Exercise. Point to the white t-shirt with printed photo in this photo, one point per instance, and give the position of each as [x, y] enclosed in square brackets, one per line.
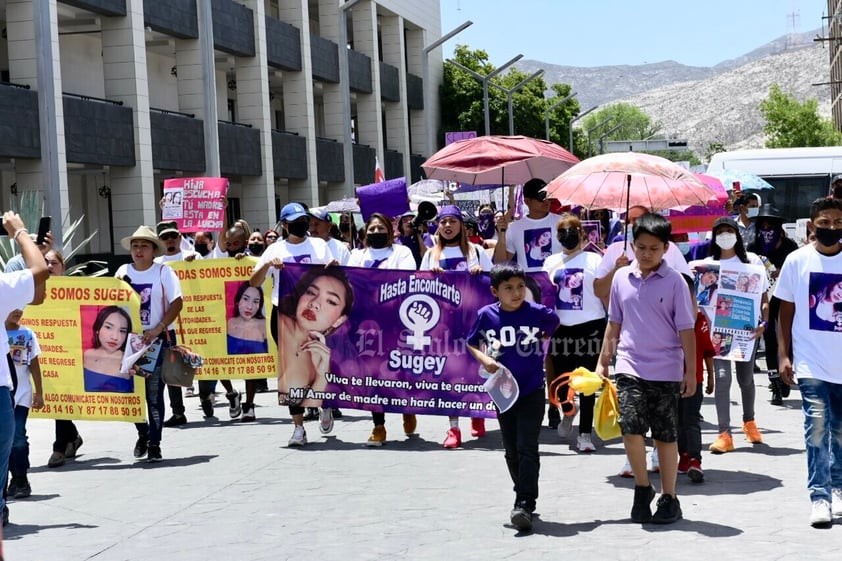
[532, 241]
[451, 259]
[311, 250]
[575, 301]
[673, 257]
[23, 345]
[813, 282]
[753, 259]
[152, 285]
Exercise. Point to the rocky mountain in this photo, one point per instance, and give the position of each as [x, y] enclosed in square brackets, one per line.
[706, 105]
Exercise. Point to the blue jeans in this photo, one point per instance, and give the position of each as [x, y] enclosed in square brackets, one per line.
[19, 458]
[7, 433]
[520, 427]
[822, 405]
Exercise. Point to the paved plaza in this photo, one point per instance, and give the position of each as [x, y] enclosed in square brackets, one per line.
[228, 490]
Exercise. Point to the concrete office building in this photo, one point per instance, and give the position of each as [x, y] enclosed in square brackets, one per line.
[102, 100]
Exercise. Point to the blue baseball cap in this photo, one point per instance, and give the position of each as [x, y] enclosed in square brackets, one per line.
[321, 213]
[292, 212]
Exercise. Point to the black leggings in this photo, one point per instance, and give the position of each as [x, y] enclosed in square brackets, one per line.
[770, 335]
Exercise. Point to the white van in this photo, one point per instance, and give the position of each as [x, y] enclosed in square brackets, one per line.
[799, 175]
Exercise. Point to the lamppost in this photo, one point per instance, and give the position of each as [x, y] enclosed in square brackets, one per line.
[428, 111]
[510, 93]
[590, 130]
[550, 110]
[485, 80]
[609, 131]
[573, 120]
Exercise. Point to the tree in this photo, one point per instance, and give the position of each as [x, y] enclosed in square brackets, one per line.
[462, 102]
[632, 123]
[791, 123]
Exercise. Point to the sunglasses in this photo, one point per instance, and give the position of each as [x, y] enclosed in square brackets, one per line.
[168, 236]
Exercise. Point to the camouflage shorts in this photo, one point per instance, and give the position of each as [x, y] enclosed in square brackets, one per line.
[648, 405]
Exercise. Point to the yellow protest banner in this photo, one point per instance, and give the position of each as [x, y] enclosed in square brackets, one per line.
[82, 328]
[225, 320]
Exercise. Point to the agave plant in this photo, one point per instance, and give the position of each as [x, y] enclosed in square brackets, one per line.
[31, 209]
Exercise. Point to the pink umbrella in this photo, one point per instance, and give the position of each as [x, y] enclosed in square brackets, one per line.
[700, 218]
[620, 180]
[715, 184]
[498, 160]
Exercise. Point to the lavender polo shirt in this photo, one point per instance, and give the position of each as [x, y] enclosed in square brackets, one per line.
[651, 312]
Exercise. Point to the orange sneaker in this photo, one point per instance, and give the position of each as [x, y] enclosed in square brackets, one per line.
[752, 434]
[477, 427]
[725, 443]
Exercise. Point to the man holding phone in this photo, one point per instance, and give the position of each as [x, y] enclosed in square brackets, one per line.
[44, 243]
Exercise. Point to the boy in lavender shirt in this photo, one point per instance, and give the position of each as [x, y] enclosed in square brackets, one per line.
[651, 324]
[514, 327]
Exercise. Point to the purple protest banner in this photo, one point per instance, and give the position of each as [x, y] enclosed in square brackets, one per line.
[195, 203]
[383, 340]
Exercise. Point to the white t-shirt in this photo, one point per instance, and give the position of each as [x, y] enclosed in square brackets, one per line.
[673, 257]
[394, 257]
[452, 259]
[532, 241]
[24, 347]
[176, 257]
[148, 284]
[813, 282]
[753, 259]
[17, 290]
[311, 250]
[339, 250]
[575, 301]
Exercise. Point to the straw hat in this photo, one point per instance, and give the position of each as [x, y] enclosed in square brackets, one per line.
[144, 233]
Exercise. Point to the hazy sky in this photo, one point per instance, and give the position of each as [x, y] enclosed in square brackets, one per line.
[606, 32]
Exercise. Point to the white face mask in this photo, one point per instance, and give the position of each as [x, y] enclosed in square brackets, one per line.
[726, 240]
[752, 211]
[683, 247]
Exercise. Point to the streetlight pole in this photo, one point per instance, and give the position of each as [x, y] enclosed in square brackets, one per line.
[485, 80]
[609, 131]
[550, 110]
[573, 120]
[590, 130]
[428, 97]
[510, 94]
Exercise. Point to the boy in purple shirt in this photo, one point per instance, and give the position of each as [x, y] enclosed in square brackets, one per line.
[651, 325]
[514, 327]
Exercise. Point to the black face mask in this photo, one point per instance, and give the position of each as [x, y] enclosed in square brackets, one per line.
[299, 229]
[828, 237]
[201, 249]
[256, 248]
[234, 252]
[568, 239]
[377, 240]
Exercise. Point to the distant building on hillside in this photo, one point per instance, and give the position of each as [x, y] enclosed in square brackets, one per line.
[834, 26]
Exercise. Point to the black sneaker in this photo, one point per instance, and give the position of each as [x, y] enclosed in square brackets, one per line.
[784, 388]
[154, 454]
[13, 487]
[337, 414]
[312, 414]
[23, 490]
[641, 511]
[207, 408]
[669, 511]
[141, 446]
[176, 421]
[521, 519]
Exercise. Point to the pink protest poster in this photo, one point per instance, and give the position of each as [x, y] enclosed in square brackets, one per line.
[195, 203]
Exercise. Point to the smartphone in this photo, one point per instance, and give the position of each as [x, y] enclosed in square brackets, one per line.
[43, 228]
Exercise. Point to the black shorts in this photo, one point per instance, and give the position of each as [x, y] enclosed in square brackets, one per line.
[648, 405]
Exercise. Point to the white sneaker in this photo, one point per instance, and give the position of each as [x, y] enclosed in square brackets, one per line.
[235, 408]
[584, 444]
[655, 465]
[627, 470]
[820, 514]
[325, 420]
[836, 503]
[299, 436]
[248, 413]
[565, 427]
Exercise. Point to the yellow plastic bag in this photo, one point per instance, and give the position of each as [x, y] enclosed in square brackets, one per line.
[607, 412]
[585, 382]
